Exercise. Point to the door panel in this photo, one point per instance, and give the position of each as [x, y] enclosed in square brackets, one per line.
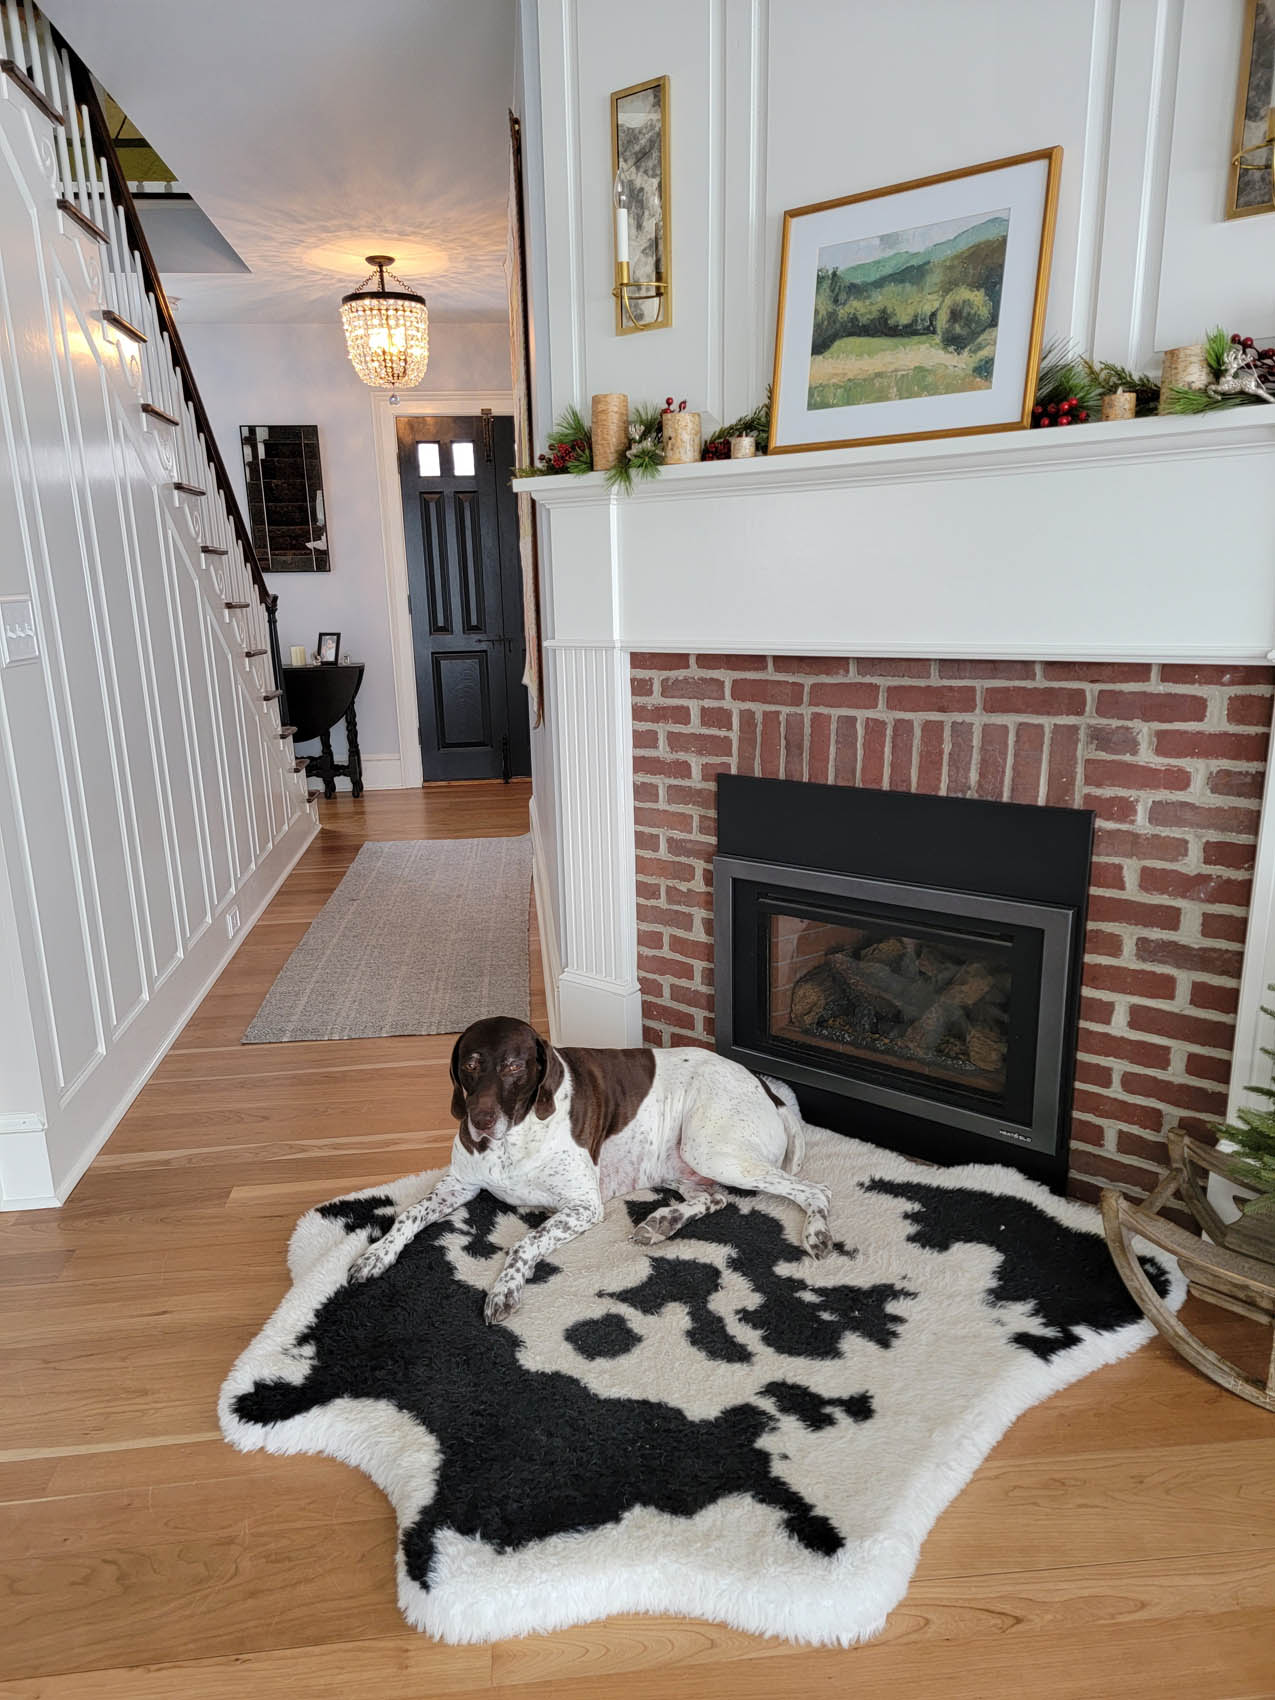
[464, 581]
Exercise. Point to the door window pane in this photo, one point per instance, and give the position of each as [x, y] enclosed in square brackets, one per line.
[427, 460]
[463, 460]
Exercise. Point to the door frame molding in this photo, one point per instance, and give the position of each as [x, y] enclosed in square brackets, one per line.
[411, 404]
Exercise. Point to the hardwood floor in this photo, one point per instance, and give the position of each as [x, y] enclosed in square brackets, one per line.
[1118, 1545]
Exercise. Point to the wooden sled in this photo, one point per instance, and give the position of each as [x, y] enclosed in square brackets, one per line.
[1222, 1270]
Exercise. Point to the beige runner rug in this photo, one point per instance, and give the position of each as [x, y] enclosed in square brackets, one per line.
[419, 937]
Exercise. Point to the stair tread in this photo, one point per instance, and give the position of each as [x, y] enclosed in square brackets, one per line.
[153, 412]
[251, 654]
[82, 219]
[210, 548]
[286, 731]
[238, 604]
[271, 696]
[111, 317]
[12, 69]
[188, 490]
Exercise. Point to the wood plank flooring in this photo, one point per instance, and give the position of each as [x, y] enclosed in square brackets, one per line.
[1118, 1545]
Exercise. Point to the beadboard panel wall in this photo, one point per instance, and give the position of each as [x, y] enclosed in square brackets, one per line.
[148, 807]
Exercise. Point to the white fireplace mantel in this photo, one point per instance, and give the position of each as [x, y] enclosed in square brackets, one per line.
[1146, 540]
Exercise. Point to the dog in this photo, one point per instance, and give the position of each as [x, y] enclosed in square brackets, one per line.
[567, 1130]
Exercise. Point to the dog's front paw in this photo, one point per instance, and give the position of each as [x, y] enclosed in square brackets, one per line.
[502, 1301]
[373, 1262]
[816, 1237]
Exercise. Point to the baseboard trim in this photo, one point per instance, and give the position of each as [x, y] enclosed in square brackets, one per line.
[381, 773]
[546, 925]
[252, 899]
[593, 1011]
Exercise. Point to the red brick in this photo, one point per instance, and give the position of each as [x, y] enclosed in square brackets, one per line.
[662, 713]
[1198, 888]
[660, 767]
[1126, 912]
[692, 847]
[1118, 1110]
[692, 796]
[1125, 1176]
[667, 1016]
[1219, 854]
[1195, 1030]
[1178, 1094]
[987, 669]
[1233, 928]
[1112, 740]
[813, 666]
[1100, 672]
[1109, 876]
[1064, 762]
[1225, 999]
[1052, 701]
[901, 743]
[715, 719]
[1136, 776]
[648, 891]
[993, 761]
[1217, 1069]
[1029, 755]
[1131, 1144]
[748, 752]
[1092, 1073]
[673, 920]
[640, 687]
[1160, 706]
[785, 691]
[1139, 846]
[675, 819]
[872, 766]
[1249, 710]
[768, 753]
[1097, 1010]
[693, 687]
[665, 967]
[1203, 819]
[1204, 746]
[650, 938]
[1111, 806]
[960, 759]
[699, 743]
[1098, 1042]
[653, 1036]
[794, 746]
[1088, 1133]
[702, 951]
[1174, 673]
[733, 663]
[1131, 982]
[661, 868]
[646, 791]
[1099, 943]
[931, 699]
[851, 693]
[690, 998]
[1205, 959]
[902, 669]
[847, 763]
[658, 663]
[1236, 782]
[929, 765]
[646, 738]
[820, 750]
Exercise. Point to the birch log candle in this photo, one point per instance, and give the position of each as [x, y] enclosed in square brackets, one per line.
[682, 441]
[1121, 404]
[743, 447]
[610, 419]
[1184, 369]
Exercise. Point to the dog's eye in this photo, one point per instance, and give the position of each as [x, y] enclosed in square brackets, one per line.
[511, 1066]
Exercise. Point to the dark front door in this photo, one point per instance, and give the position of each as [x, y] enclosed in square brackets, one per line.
[465, 586]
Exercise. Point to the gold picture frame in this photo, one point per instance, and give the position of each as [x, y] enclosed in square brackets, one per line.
[1252, 153]
[990, 276]
[639, 306]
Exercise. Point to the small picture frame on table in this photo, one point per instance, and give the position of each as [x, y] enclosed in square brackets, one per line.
[329, 650]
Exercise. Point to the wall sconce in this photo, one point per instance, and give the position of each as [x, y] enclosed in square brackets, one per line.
[640, 198]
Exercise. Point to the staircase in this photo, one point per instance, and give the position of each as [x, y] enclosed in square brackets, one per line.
[150, 798]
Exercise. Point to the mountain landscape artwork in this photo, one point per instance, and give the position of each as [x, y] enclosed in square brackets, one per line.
[909, 313]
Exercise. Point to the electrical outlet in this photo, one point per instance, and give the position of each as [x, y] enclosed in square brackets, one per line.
[232, 920]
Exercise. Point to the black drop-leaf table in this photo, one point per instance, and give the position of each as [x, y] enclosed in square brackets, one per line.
[317, 698]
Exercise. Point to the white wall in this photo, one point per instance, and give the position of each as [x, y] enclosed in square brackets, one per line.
[300, 374]
[779, 103]
[148, 807]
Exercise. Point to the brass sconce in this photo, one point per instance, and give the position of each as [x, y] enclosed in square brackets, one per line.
[640, 201]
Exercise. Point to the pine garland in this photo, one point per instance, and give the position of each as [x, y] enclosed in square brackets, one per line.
[645, 454]
[1252, 1163]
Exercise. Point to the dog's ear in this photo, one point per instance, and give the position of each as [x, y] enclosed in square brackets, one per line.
[549, 1073]
[458, 1097]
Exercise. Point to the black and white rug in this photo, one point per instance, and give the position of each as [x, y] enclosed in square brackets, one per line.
[716, 1426]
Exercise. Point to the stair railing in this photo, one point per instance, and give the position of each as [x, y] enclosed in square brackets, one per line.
[94, 195]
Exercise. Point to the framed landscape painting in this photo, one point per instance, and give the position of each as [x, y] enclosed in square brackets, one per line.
[917, 310]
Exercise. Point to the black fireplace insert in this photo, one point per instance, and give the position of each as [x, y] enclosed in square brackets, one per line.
[909, 964]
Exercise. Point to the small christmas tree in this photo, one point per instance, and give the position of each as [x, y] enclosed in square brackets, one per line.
[1253, 1160]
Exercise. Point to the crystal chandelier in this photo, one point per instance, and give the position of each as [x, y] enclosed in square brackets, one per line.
[386, 330]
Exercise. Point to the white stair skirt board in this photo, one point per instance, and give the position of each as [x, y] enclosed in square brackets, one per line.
[716, 1425]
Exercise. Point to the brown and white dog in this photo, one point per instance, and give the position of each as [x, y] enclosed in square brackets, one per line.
[566, 1130]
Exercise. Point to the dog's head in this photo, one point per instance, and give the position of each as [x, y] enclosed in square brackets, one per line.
[500, 1068]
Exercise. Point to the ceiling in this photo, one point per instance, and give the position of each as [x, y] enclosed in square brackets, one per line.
[314, 132]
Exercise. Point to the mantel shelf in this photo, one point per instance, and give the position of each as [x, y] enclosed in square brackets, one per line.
[1243, 430]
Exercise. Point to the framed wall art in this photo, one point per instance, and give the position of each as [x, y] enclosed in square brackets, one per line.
[916, 310]
[1251, 188]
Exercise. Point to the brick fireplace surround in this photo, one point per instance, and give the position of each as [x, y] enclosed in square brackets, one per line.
[1171, 758]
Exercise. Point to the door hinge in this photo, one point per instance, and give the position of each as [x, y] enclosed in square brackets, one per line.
[488, 424]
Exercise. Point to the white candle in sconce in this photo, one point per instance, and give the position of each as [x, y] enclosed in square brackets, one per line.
[621, 223]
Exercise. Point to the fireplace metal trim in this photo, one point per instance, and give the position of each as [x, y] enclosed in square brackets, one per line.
[1055, 923]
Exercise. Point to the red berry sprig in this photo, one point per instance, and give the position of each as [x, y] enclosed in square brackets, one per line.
[1067, 412]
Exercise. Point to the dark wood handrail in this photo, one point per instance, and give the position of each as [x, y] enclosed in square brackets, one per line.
[86, 94]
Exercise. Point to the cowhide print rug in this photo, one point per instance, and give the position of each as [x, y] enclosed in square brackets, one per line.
[716, 1426]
